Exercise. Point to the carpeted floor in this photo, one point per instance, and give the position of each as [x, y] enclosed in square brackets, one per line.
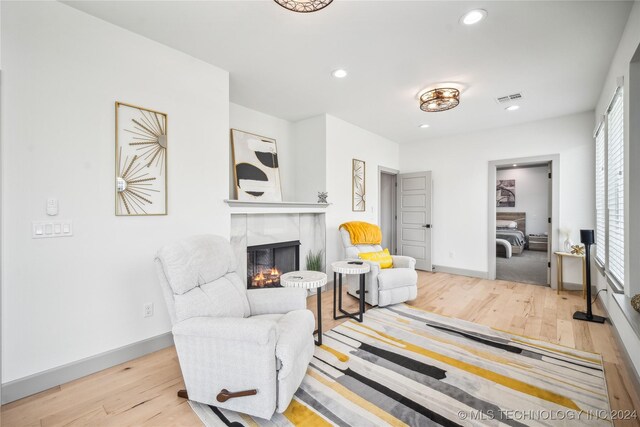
[528, 267]
[407, 367]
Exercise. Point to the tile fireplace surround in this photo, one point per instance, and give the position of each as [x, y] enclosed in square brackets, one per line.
[251, 229]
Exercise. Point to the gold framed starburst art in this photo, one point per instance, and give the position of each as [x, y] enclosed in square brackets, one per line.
[358, 187]
[141, 161]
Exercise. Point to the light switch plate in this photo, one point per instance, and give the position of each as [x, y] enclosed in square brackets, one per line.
[49, 229]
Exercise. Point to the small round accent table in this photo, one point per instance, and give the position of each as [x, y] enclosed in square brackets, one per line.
[341, 268]
[308, 280]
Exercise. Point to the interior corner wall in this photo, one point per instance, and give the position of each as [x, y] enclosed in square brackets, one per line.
[346, 142]
[460, 173]
[252, 121]
[532, 196]
[65, 299]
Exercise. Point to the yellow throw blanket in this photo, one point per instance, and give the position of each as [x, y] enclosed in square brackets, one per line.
[363, 233]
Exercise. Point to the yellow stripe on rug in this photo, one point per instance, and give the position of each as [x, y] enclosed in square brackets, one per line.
[300, 415]
[511, 383]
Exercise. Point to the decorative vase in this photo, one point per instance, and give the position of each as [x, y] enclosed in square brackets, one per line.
[322, 196]
[567, 245]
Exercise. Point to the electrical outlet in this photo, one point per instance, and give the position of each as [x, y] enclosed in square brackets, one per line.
[148, 309]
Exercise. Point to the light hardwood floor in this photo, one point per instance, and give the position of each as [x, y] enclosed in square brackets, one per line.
[143, 392]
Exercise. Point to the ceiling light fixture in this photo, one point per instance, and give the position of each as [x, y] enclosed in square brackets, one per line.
[424, 126]
[473, 16]
[440, 99]
[304, 6]
[339, 74]
[515, 166]
[512, 108]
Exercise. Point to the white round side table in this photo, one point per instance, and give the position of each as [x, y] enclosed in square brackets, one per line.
[308, 280]
[341, 268]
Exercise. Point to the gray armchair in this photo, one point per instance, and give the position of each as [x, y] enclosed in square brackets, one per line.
[246, 351]
[383, 286]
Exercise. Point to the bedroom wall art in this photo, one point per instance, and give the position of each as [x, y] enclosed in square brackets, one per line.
[255, 167]
[358, 186]
[141, 161]
[506, 193]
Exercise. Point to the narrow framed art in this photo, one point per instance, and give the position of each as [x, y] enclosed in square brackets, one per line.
[358, 186]
[141, 161]
[256, 171]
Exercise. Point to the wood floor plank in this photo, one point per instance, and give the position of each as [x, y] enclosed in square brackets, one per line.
[142, 392]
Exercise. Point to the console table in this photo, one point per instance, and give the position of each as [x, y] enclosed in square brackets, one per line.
[560, 257]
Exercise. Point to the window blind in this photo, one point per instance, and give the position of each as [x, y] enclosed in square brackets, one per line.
[615, 187]
[600, 197]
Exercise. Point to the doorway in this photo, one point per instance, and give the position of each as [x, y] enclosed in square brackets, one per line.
[388, 179]
[523, 211]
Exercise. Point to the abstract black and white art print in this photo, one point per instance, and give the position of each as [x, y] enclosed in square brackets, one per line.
[256, 173]
[506, 193]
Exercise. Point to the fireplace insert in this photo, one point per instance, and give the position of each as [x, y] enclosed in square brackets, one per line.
[266, 263]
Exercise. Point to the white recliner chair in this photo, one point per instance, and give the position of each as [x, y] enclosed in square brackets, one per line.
[383, 286]
[246, 351]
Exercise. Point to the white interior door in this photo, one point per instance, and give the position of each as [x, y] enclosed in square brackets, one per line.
[414, 218]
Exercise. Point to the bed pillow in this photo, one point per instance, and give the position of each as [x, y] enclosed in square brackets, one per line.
[501, 223]
[382, 257]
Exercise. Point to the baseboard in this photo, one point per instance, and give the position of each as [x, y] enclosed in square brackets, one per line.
[41, 381]
[460, 271]
[635, 375]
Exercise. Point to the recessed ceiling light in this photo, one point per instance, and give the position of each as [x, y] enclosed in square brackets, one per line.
[473, 16]
[424, 126]
[512, 108]
[339, 73]
[515, 166]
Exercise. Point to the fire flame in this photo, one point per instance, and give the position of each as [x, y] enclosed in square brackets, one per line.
[267, 278]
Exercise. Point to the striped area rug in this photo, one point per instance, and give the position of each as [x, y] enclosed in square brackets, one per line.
[404, 366]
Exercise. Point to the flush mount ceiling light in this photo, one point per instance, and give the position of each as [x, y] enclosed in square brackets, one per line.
[473, 16]
[440, 99]
[339, 73]
[424, 126]
[304, 6]
[512, 108]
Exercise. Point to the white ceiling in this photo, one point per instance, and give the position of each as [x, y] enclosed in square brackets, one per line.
[556, 53]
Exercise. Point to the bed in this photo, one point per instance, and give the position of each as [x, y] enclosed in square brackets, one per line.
[514, 236]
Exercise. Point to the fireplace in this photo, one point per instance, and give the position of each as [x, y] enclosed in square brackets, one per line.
[266, 263]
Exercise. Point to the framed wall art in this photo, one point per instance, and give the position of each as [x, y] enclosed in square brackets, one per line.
[141, 161]
[255, 167]
[358, 186]
[506, 193]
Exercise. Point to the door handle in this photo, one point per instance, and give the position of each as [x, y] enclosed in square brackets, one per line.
[427, 226]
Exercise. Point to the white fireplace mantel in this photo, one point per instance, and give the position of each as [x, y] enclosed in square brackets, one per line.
[250, 207]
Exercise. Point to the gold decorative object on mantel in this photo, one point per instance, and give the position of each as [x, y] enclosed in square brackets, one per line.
[577, 249]
[141, 161]
[635, 302]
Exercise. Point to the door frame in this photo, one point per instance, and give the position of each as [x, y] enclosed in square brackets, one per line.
[554, 160]
[383, 170]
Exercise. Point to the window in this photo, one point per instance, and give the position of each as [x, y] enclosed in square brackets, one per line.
[615, 187]
[610, 190]
[600, 196]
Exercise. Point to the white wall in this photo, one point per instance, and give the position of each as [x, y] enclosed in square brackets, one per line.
[281, 130]
[532, 196]
[310, 152]
[620, 67]
[344, 143]
[69, 298]
[460, 174]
